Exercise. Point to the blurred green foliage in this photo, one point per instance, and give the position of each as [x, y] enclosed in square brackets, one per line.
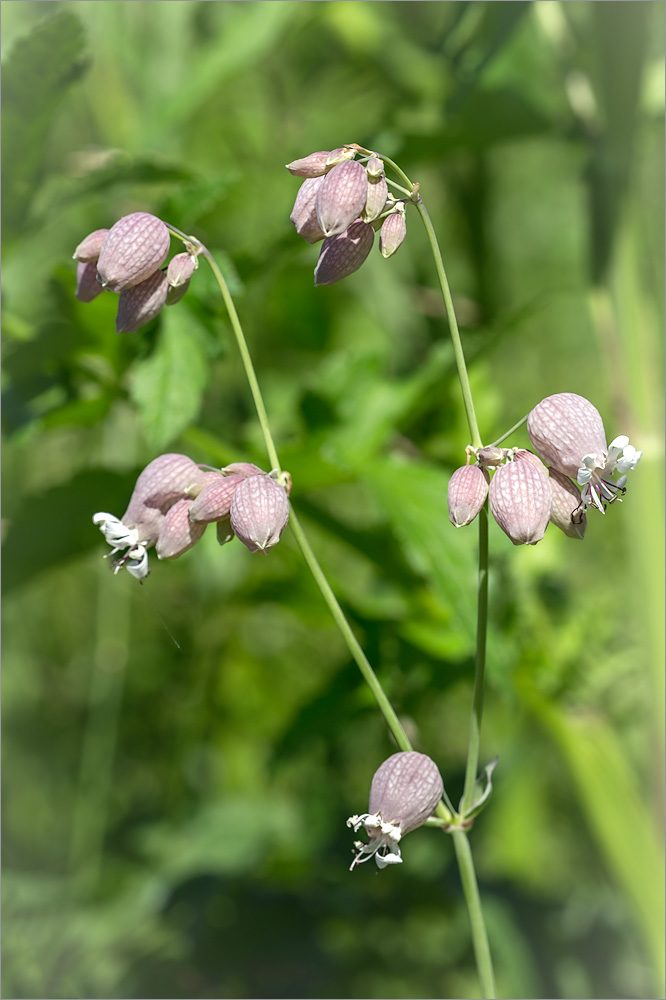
[180, 757]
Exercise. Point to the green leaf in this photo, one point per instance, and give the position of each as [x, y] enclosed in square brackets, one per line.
[168, 386]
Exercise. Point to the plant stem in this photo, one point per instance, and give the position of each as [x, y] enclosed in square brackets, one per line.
[472, 766]
[453, 325]
[350, 639]
[479, 935]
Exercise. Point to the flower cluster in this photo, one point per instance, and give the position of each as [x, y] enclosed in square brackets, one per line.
[404, 793]
[127, 259]
[174, 500]
[343, 201]
[525, 494]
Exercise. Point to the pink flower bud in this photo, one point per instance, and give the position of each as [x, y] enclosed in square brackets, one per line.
[89, 249]
[341, 255]
[341, 197]
[568, 512]
[521, 502]
[565, 428]
[339, 155]
[467, 492]
[376, 199]
[259, 512]
[490, 457]
[214, 501]
[133, 249]
[313, 165]
[392, 234]
[87, 285]
[374, 168]
[243, 469]
[180, 269]
[303, 215]
[177, 533]
[140, 304]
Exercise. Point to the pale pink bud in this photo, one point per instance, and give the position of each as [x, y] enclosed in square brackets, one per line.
[339, 155]
[259, 512]
[89, 249]
[244, 469]
[376, 199]
[181, 268]
[303, 215]
[392, 234]
[214, 502]
[405, 790]
[177, 533]
[564, 429]
[314, 165]
[133, 249]
[467, 492]
[490, 457]
[140, 304]
[341, 197]
[521, 502]
[341, 255]
[374, 168]
[87, 285]
[568, 512]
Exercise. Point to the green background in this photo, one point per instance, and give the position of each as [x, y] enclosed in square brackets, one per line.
[180, 757]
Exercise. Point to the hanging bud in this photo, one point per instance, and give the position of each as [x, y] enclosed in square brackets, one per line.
[259, 512]
[303, 215]
[466, 495]
[341, 255]
[214, 501]
[133, 249]
[568, 512]
[341, 197]
[89, 249]
[314, 165]
[87, 285]
[177, 533]
[490, 457]
[140, 304]
[521, 502]
[243, 469]
[181, 268]
[374, 168]
[339, 155]
[564, 428]
[377, 190]
[392, 234]
[404, 793]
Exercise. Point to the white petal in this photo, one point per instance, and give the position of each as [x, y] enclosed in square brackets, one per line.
[619, 442]
[115, 532]
[137, 564]
[584, 476]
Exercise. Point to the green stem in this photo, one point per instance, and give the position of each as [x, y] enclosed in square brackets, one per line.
[472, 767]
[479, 935]
[453, 325]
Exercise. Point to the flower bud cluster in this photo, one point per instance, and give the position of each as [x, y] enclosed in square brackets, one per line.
[343, 203]
[525, 495]
[404, 793]
[174, 500]
[127, 259]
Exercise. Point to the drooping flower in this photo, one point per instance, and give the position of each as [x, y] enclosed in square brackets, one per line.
[341, 255]
[341, 197]
[133, 249]
[405, 791]
[259, 512]
[466, 494]
[568, 432]
[521, 501]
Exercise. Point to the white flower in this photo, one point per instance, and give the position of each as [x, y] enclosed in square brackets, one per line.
[135, 557]
[594, 477]
[383, 843]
